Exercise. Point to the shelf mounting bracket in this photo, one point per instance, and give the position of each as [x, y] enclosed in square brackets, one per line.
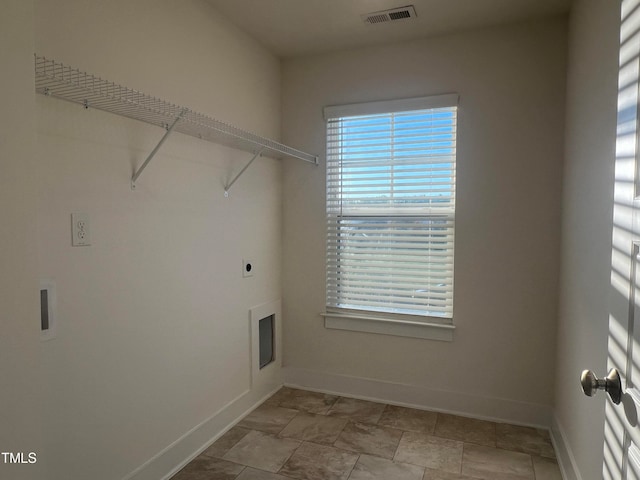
[229, 185]
[155, 150]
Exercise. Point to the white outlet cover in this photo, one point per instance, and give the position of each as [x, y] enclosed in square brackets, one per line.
[248, 268]
[80, 230]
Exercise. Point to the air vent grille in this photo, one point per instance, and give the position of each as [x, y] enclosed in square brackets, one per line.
[399, 15]
[377, 18]
[394, 14]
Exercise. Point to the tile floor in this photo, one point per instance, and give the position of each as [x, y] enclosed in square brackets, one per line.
[303, 435]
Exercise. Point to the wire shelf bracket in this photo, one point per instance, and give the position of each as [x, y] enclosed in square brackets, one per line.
[155, 150]
[64, 82]
[230, 184]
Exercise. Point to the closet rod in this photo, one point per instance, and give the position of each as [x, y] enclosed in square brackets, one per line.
[55, 79]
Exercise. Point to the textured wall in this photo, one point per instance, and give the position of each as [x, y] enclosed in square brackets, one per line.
[586, 226]
[153, 335]
[19, 354]
[511, 82]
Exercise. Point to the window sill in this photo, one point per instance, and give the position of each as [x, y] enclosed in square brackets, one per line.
[400, 328]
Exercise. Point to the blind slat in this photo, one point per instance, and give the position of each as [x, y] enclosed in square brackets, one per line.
[390, 211]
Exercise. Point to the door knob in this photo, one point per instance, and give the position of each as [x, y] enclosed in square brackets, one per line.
[610, 384]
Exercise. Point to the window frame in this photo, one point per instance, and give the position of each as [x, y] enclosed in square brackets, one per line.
[391, 323]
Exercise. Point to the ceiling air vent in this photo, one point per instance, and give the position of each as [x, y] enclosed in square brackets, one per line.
[384, 16]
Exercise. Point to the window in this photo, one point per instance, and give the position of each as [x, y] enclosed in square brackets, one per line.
[391, 169]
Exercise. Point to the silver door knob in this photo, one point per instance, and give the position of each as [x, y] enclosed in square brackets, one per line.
[610, 384]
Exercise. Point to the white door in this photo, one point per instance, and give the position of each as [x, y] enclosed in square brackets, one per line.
[622, 435]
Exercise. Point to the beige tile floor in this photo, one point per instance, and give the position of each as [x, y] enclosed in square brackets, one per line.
[304, 435]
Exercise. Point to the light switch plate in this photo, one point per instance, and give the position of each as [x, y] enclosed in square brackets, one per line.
[80, 231]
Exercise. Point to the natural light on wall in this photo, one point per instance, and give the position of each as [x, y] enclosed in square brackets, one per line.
[391, 170]
[621, 451]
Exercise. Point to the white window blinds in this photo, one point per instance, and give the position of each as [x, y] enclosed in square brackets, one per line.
[391, 207]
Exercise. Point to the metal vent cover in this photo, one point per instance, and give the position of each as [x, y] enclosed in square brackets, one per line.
[392, 15]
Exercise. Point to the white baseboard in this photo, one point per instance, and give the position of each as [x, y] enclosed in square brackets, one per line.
[566, 460]
[262, 384]
[175, 456]
[469, 405]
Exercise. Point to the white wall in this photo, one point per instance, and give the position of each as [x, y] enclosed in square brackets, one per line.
[153, 335]
[19, 314]
[511, 82]
[586, 231]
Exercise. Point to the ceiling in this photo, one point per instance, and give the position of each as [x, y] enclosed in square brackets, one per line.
[299, 27]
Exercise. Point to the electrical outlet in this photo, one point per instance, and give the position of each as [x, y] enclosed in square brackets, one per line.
[80, 232]
[247, 268]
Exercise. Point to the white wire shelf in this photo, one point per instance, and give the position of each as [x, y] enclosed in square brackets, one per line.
[67, 83]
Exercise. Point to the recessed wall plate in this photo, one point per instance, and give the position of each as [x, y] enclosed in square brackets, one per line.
[48, 309]
[247, 268]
